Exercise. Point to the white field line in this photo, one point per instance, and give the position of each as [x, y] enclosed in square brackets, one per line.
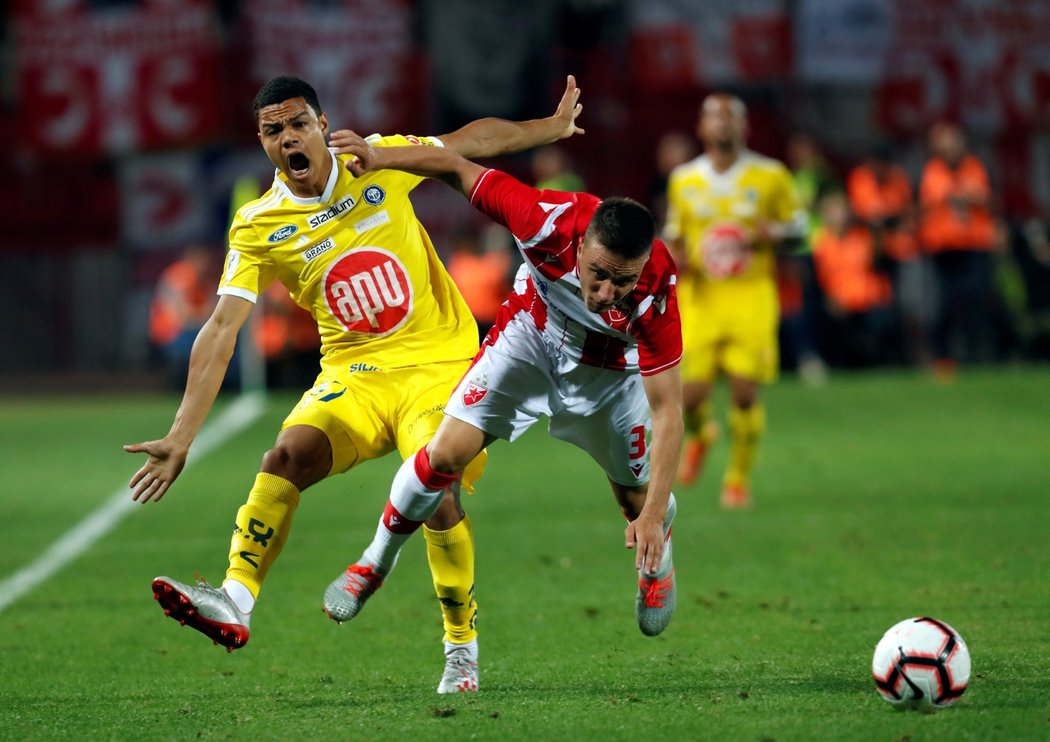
[241, 413]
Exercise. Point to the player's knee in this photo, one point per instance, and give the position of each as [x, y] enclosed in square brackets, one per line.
[300, 465]
[446, 460]
[448, 514]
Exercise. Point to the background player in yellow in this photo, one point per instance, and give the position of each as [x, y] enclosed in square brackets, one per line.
[727, 211]
[396, 338]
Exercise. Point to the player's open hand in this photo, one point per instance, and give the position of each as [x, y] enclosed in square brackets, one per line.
[363, 156]
[569, 108]
[159, 472]
[645, 534]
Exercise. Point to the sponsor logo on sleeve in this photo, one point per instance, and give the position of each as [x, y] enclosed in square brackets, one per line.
[280, 235]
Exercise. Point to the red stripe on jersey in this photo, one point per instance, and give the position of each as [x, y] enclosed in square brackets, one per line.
[604, 351]
[548, 224]
[659, 329]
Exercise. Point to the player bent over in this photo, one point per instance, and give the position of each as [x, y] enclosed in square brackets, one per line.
[396, 338]
[590, 337]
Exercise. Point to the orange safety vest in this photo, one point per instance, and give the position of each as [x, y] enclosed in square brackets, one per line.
[952, 226]
[873, 200]
[482, 280]
[845, 269]
[166, 319]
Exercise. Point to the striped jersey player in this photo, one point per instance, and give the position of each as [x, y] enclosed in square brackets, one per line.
[590, 338]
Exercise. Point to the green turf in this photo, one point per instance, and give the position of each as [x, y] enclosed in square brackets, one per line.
[877, 498]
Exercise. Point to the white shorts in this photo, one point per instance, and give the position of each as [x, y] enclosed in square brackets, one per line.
[520, 377]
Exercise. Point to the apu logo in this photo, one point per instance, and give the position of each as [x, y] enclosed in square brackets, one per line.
[283, 233]
[374, 195]
[726, 250]
[367, 290]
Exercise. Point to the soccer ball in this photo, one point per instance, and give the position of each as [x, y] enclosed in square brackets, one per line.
[921, 663]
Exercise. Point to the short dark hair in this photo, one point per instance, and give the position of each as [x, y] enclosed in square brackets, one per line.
[623, 226]
[282, 88]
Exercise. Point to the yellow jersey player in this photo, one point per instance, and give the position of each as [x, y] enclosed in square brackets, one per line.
[396, 338]
[727, 212]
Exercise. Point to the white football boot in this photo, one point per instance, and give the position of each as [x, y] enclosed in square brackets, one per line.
[346, 596]
[461, 668]
[205, 608]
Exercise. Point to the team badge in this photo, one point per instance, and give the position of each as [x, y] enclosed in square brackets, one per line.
[476, 391]
[283, 233]
[374, 195]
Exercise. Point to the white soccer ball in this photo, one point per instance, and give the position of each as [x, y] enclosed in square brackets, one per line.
[921, 663]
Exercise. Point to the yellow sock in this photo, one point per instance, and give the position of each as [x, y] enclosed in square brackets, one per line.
[746, 428]
[261, 529]
[451, 557]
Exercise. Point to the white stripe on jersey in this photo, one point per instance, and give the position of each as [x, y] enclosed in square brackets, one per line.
[234, 291]
[251, 211]
[553, 212]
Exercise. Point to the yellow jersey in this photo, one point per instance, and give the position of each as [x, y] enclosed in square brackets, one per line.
[716, 215]
[360, 262]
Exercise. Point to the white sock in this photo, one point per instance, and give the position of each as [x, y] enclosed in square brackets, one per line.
[472, 645]
[414, 501]
[666, 562]
[240, 595]
[384, 550]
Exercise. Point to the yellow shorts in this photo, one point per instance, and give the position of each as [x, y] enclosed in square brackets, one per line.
[368, 414]
[729, 327]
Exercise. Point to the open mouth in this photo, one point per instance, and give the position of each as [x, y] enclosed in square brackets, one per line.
[299, 164]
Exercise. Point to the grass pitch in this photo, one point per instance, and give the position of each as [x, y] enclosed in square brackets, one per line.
[876, 498]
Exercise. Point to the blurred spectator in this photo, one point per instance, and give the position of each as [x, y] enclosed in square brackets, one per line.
[552, 169]
[880, 195]
[482, 269]
[286, 336]
[672, 149]
[182, 301]
[858, 296]
[1029, 246]
[796, 284]
[957, 230]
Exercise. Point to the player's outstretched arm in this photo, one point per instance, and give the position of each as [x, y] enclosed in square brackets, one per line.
[430, 162]
[645, 534]
[209, 360]
[491, 137]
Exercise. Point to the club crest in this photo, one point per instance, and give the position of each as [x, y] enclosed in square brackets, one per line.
[475, 392]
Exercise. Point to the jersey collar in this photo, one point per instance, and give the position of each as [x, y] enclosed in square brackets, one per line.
[325, 196]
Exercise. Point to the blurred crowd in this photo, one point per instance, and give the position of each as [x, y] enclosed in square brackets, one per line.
[912, 270]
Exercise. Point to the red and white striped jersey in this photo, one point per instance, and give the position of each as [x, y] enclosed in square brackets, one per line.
[643, 333]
